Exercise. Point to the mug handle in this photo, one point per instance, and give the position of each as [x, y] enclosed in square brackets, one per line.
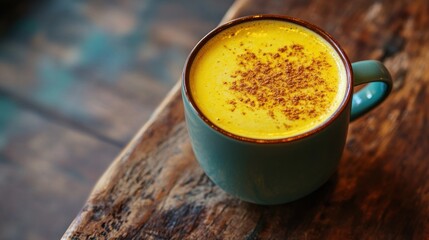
[379, 86]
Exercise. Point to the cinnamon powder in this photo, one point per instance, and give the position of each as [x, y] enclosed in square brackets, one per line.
[285, 81]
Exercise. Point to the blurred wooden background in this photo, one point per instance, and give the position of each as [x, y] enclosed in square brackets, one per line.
[77, 80]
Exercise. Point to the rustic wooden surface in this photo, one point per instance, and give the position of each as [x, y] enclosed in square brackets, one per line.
[77, 81]
[155, 189]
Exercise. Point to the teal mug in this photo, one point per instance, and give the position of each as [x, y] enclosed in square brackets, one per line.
[281, 170]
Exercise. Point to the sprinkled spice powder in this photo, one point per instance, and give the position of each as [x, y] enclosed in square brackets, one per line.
[285, 81]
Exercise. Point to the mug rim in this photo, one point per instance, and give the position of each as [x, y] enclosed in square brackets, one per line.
[346, 63]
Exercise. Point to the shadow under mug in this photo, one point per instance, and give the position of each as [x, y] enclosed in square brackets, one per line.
[281, 170]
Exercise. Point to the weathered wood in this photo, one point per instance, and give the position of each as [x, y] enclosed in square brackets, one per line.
[156, 190]
[96, 67]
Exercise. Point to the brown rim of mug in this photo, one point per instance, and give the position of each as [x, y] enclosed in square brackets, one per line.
[314, 28]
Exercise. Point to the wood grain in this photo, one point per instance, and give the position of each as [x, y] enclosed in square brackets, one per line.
[155, 189]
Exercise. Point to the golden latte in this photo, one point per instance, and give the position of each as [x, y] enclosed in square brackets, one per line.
[267, 79]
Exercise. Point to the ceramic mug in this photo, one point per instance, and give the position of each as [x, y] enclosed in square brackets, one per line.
[282, 170]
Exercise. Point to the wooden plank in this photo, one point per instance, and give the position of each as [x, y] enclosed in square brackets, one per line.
[155, 190]
[102, 66]
[46, 172]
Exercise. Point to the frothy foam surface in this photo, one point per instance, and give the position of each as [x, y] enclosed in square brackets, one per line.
[267, 79]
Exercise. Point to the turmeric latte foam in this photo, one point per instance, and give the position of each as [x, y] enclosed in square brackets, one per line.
[267, 79]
